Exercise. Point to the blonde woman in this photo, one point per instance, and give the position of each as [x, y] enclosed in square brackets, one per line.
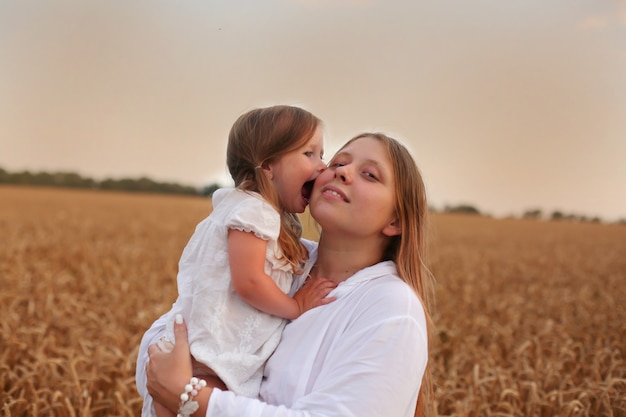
[364, 354]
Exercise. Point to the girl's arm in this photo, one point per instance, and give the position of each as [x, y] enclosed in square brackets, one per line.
[246, 254]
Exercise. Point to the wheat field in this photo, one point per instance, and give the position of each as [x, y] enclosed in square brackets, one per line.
[530, 315]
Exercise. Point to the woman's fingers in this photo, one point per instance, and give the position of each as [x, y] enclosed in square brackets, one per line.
[180, 335]
[179, 327]
[167, 372]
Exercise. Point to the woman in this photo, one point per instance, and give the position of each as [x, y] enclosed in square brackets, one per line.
[365, 354]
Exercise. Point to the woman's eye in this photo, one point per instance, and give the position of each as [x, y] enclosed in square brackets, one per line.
[370, 175]
[308, 154]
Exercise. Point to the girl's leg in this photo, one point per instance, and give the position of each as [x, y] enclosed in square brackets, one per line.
[204, 372]
[214, 382]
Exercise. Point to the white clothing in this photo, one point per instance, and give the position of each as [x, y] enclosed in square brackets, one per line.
[362, 355]
[227, 334]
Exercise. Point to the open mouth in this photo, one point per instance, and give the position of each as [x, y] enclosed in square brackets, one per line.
[307, 188]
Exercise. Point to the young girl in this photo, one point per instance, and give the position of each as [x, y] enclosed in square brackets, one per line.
[238, 266]
[366, 353]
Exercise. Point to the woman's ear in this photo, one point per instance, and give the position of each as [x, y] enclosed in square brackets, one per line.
[392, 228]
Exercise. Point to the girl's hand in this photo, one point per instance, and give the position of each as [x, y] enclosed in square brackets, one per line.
[314, 293]
[169, 371]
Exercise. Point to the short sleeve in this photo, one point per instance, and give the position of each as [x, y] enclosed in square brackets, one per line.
[250, 213]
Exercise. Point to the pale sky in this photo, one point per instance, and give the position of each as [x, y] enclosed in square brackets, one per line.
[506, 105]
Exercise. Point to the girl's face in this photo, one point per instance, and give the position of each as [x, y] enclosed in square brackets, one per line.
[293, 174]
[356, 194]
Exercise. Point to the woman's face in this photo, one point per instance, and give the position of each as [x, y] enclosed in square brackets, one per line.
[355, 195]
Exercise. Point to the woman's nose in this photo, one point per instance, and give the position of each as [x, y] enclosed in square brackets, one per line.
[343, 173]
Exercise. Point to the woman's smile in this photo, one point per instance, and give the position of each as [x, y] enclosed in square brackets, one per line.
[332, 192]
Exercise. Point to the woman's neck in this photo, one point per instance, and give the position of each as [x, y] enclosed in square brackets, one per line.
[340, 259]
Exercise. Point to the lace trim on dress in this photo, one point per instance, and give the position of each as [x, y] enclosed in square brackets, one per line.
[250, 230]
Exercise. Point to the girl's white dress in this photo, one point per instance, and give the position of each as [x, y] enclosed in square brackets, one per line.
[226, 334]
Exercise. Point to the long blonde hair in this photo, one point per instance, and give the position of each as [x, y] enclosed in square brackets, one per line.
[258, 138]
[408, 249]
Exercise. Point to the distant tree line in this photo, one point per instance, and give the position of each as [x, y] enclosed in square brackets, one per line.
[74, 180]
[144, 184]
[462, 208]
[559, 215]
[556, 215]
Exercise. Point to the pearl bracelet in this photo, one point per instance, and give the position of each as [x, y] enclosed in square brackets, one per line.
[187, 405]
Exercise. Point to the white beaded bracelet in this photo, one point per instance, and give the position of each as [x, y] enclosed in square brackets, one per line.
[187, 405]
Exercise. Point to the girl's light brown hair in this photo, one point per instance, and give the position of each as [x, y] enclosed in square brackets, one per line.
[408, 249]
[258, 138]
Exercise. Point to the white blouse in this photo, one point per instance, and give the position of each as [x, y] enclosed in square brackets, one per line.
[362, 355]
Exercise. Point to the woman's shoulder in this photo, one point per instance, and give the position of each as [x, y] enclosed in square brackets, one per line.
[383, 303]
[391, 295]
[393, 287]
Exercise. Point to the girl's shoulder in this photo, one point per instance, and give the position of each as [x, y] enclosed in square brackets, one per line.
[240, 200]
[246, 211]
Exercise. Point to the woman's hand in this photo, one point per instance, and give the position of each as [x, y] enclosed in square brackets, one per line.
[169, 368]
